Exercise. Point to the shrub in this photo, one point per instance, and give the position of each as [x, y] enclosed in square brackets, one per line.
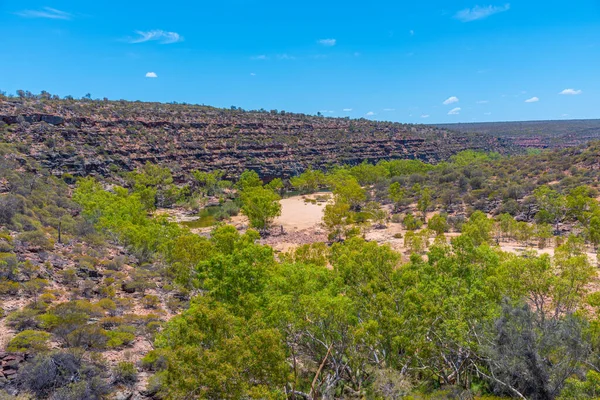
[62, 376]
[29, 340]
[24, 319]
[150, 301]
[107, 304]
[411, 223]
[118, 339]
[438, 224]
[8, 266]
[37, 238]
[47, 298]
[91, 337]
[125, 372]
[9, 287]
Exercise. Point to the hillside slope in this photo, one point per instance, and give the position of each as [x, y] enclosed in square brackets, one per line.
[82, 137]
[535, 134]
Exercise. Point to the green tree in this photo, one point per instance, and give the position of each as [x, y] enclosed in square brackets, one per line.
[438, 223]
[335, 218]
[248, 179]
[213, 354]
[309, 181]
[594, 230]
[424, 202]
[396, 194]
[553, 206]
[376, 213]
[478, 229]
[208, 182]
[261, 206]
[581, 205]
[347, 189]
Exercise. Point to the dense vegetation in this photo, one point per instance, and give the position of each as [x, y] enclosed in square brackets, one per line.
[90, 268]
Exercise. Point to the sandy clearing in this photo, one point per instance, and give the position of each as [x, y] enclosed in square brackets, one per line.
[298, 215]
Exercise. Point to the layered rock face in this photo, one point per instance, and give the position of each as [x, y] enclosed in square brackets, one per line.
[536, 134]
[9, 367]
[93, 137]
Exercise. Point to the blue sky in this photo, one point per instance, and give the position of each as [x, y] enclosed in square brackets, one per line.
[388, 60]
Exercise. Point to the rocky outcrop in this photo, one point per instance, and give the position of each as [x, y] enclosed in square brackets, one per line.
[94, 137]
[9, 367]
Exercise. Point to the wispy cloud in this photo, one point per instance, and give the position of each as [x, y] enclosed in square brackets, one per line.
[327, 42]
[411, 32]
[483, 102]
[163, 37]
[389, 109]
[532, 100]
[425, 116]
[454, 111]
[479, 12]
[571, 92]
[347, 110]
[326, 111]
[285, 57]
[370, 114]
[252, 74]
[151, 75]
[259, 57]
[450, 100]
[46, 12]
[487, 113]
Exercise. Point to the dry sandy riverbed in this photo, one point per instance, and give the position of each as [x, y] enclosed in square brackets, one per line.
[301, 219]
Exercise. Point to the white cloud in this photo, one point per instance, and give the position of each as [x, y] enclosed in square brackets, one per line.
[451, 100]
[487, 113]
[482, 102]
[425, 116]
[326, 111]
[454, 111]
[370, 114]
[347, 110]
[532, 100]
[252, 74]
[46, 12]
[285, 57]
[151, 75]
[571, 92]
[479, 12]
[389, 109]
[260, 57]
[327, 42]
[158, 35]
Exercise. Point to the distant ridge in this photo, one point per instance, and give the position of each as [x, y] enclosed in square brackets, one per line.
[536, 134]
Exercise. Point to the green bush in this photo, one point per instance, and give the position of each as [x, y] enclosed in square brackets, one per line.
[24, 319]
[124, 372]
[29, 340]
[411, 223]
[118, 339]
[37, 238]
[9, 287]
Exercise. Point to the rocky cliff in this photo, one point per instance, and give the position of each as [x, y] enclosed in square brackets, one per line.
[92, 137]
